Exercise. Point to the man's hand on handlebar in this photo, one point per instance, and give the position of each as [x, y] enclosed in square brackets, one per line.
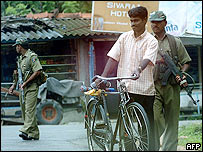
[97, 81]
[136, 74]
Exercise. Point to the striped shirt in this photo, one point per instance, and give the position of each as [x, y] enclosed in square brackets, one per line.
[129, 52]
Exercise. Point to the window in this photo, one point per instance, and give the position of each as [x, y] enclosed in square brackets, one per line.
[8, 62]
[194, 66]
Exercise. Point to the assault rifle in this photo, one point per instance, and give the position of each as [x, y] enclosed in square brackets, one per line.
[20, 80]
[175, 71]
[16, 93]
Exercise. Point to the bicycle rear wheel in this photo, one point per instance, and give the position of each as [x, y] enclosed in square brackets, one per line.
[98, 133]
[134, 129]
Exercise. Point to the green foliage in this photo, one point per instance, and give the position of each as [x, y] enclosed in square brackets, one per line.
[85, 6]
[190, 116]
[3, 8]
[11, 10]
[25, 7]
[190, 134]
[48, 5]
[21, 9]
[70, 7]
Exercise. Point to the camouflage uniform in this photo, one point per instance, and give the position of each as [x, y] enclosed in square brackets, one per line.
[167, 98]
[29, 64]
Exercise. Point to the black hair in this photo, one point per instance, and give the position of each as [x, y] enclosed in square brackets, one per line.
[138, 12]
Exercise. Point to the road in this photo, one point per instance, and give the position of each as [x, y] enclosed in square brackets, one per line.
[68, 137]
[71, 137]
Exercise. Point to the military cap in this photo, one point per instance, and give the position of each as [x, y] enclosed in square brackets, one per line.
[157, 16]
[21, 41]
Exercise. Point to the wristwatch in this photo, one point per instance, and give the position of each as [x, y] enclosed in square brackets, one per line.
[140, 69]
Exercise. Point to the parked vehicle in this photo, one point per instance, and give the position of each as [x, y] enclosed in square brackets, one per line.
[52, 97]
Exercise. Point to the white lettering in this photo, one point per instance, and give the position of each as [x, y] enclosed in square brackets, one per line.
[109, 5]
[125, 13]
[121, 5]
[119, 13]
[133, 6]
[119, 23]
[113, 13]
[127, 5]
[109, 22]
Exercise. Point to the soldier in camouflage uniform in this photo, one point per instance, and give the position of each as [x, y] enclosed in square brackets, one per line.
[167, 98]
[31, 68]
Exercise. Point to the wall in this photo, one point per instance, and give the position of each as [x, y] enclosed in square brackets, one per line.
[83, 60]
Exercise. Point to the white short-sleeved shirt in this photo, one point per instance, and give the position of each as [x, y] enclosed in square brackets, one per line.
[129, 52]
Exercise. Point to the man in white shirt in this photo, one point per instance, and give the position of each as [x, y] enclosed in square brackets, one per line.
[135, 53]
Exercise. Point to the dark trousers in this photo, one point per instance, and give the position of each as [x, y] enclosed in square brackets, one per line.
[147, 103]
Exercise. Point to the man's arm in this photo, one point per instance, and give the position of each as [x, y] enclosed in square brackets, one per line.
[15, 79]
[185, 67]
[144, 64]
[32, 77]
[10, 91]
[110, 65]
[141, 67]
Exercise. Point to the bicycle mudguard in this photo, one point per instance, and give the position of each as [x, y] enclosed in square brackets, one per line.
[86, 115]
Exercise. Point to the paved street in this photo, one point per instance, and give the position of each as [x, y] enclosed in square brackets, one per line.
[71, 137]
[68, 137]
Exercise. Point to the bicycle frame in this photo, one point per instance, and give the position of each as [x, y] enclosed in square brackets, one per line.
[122, 89]
[122, 109]
[100, 101]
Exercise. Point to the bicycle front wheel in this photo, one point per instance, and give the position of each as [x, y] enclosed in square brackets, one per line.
[134, 129]
[99, 130]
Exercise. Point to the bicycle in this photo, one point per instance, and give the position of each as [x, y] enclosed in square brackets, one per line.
[132, 121]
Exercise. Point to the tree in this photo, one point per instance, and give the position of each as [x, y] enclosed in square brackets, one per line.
[71, 7]
[48, 6]
[21, 9]
[3, 8]
[25, 7]
[85, 6]
[11, 10]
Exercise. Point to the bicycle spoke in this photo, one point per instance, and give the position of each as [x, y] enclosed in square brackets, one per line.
[133, 125]
[130, 118]
[97, 140]
[136, 128]
[98, 132]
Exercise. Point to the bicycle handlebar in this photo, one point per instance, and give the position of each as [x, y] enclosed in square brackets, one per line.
[106, 85]
[113, 78]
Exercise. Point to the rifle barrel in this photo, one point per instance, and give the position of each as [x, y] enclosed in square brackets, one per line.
[16, 93]
[171, 65]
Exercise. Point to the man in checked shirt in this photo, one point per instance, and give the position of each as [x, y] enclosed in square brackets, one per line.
[135, 52]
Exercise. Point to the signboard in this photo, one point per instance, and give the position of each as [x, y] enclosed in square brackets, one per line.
[112, 16]
[194, 17]
[182, 16]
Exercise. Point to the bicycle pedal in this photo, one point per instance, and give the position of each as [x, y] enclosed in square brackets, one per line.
[100, 125]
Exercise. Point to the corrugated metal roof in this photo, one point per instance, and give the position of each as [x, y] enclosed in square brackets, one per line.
[44, 29]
